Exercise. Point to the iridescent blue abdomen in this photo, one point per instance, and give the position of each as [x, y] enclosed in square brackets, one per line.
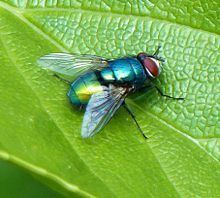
[124, 71]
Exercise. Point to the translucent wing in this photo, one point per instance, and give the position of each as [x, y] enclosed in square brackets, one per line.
[71, 64]
[101, 108]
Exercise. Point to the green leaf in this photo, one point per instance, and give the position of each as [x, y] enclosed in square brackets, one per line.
[16, 183]
[40, 131]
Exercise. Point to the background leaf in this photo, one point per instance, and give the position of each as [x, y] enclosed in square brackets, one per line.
[41, 132]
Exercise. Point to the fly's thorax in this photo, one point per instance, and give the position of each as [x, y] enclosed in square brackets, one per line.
[140, 75]
[107, 75]
[83, 87]
[124, 71]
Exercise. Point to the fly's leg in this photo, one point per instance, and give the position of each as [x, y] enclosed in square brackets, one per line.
[167, 96]
[81, 107]
[62, 79]
[151, 85]
[146, 88]
[133, 117]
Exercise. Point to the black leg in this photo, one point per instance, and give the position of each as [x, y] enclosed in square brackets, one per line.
[146, 88]
[133, 117]
[151, 85]
[62, 79]
[164, 95]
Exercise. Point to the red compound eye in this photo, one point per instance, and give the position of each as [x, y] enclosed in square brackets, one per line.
[152, 66]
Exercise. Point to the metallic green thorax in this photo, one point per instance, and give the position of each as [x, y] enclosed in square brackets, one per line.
[125, 71]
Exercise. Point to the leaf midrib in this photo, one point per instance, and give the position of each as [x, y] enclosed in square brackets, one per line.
[15, 11]
[43, 172]
[43, 107]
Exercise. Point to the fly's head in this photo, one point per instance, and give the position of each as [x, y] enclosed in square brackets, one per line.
[151, 64]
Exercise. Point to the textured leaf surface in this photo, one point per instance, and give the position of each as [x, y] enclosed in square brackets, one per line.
[41, 132]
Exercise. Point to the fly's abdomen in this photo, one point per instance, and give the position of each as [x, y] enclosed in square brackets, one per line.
[83, 87]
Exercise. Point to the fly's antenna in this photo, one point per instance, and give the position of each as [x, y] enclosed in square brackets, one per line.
[159, 58]
[155, 55]
[157, 51]
[162, 60]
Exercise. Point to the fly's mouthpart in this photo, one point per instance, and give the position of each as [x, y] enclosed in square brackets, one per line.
[160, 59]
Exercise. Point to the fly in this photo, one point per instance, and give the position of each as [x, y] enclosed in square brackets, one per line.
[101, 85]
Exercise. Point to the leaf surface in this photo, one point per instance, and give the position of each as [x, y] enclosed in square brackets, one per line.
[40, 131]
[17, 183]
